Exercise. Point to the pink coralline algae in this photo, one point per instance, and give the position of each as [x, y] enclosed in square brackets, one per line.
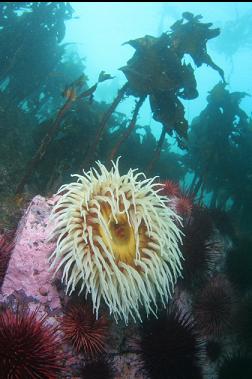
[28, 269]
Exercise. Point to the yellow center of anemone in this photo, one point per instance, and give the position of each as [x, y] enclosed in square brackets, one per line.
[121, 239]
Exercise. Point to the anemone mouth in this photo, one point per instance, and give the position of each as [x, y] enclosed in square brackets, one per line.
[120, 239]
[121, 232]
[117, 238]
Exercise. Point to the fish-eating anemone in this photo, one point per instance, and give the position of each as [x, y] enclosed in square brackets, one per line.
[118, 240]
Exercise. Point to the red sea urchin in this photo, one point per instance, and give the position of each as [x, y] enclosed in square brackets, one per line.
[28, 347]
[170, 189]
[83, 330]
[170, 347]
[183, 206]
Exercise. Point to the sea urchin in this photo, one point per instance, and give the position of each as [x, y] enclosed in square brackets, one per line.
[28, 347]
[183, 206]
[170, 189]
[82, 329]
[118, 239]
[198, 248]
[171, 347]
[214, 307]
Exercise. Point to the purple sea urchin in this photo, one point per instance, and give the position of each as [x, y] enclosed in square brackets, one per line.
[197, 248]
[170, 347]
[213, 307]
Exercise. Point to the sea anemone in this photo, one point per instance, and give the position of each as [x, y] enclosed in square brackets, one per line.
[235, 366]
[83, 330]
[171, 347]
[98, 369]
[213, 307]
[118, 239]
[28, 347]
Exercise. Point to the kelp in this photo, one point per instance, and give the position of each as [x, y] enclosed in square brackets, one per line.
[71, 94]
[157, 70]
[220, 146]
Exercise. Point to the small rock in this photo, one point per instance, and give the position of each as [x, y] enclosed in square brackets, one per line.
[43, 291]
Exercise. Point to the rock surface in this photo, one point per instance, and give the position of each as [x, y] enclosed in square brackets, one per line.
[28, 269]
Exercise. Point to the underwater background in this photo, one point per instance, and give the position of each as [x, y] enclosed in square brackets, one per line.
[167, 88]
